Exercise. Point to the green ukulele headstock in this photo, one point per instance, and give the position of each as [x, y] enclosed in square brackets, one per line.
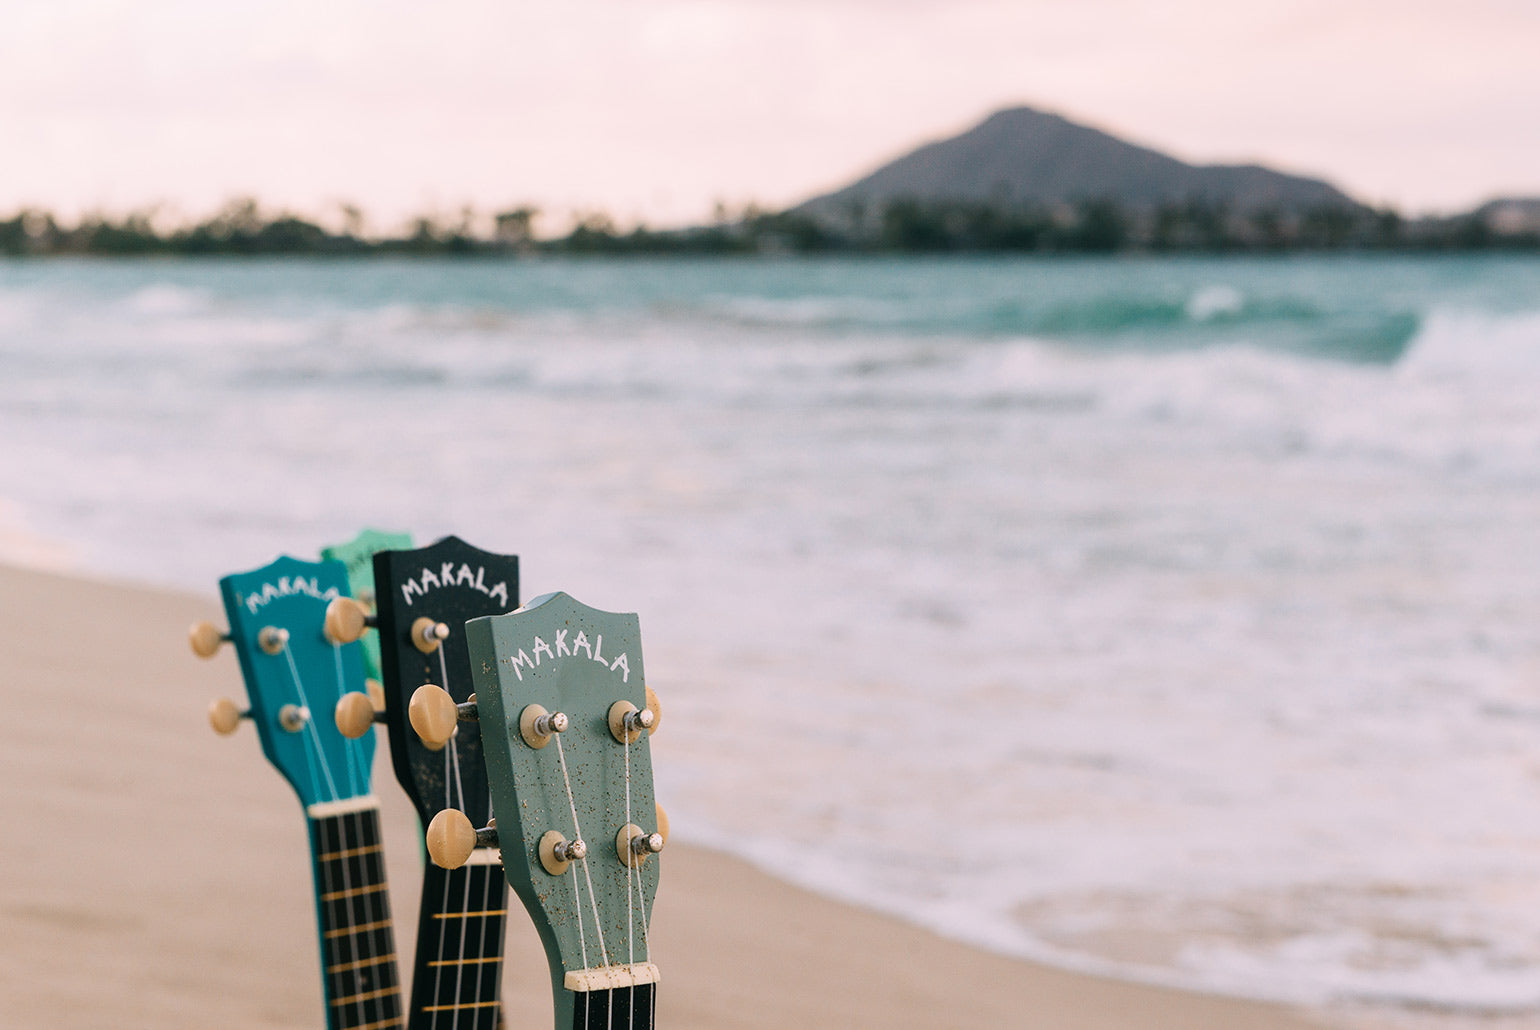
[358, 556]
[294, 676]
[565, 718]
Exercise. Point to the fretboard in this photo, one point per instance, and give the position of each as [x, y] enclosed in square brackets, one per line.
[629, 1007]
[459, 969]
[358, 943]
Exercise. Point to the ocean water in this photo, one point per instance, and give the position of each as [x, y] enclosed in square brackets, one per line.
[1173, 619]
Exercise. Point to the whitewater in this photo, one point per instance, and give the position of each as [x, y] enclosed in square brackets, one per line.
[1173, 619]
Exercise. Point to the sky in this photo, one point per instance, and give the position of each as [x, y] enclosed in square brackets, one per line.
[656, 110]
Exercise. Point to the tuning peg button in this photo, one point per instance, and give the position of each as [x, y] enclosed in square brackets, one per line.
[355, 713]
[435, 716]
[451, 838]
[627, 722]
[225, 716]
[346, 620]
[204, 639]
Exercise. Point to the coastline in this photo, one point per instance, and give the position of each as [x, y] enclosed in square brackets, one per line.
[158, 876]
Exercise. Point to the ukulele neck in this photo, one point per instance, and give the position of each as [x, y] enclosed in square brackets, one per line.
[460, 930]
[358, 942]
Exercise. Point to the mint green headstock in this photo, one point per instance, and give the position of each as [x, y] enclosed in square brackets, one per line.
[358, 555]
[585, 782]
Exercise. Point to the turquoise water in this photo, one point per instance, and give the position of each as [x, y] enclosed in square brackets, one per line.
[1200, 598]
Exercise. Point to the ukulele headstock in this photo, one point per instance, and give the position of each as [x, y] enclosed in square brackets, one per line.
[357, 555]
[424, 598]
[565, 719]
[295, 675]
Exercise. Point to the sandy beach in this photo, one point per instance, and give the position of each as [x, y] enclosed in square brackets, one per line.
[156, 875]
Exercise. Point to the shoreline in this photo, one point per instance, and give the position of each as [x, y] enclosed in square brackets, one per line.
[158, 874]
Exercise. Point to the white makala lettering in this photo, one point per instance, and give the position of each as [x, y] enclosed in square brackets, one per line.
[595, 651]
[449, 576]
[541, 645]
[287, 587]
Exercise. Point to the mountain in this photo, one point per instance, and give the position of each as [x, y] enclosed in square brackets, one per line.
[1025, 156]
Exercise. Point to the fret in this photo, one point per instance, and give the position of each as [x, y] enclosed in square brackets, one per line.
[357, 935]
[461, 930]
[361, 963]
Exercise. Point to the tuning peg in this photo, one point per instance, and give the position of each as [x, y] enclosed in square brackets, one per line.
[627, 721]
[225, 716]
[204, 639]
[557, 852]
[633, 844]
[355, 713]
[536, 725]
[434, 714]
[656, 708]
[451, 838]
[376, 694]
[346, 620]
[662, 821]
[427, 634]
[273, 639]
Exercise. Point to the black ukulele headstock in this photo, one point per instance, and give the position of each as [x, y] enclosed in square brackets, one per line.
[441, 585]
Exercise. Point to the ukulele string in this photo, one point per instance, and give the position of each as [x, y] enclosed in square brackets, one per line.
[630, 869]
[577, 834]
[315, 738]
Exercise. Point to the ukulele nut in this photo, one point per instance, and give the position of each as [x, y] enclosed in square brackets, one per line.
[273, 639]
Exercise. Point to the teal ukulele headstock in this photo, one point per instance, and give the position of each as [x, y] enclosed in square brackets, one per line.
[294, 675]
[358, 556]
[565, 718]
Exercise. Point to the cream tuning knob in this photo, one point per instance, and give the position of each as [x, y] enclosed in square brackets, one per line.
[355, 713]
[225, 716]
[346, 620]
[451, 838]
[435, 716]
[427, 634]
[204, 639]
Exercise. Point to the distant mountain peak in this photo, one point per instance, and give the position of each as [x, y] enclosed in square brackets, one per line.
[1023, 155]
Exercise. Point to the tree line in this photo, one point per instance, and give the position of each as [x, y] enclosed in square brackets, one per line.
[907, 226]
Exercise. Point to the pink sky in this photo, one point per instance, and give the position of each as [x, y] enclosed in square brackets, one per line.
[657, 109]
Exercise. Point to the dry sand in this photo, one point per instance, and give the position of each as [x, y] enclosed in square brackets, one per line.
[156, 875]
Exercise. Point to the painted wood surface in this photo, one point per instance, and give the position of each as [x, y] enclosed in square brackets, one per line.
[568, 657]
[357, 555]
[458, 969]
[294, 676]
